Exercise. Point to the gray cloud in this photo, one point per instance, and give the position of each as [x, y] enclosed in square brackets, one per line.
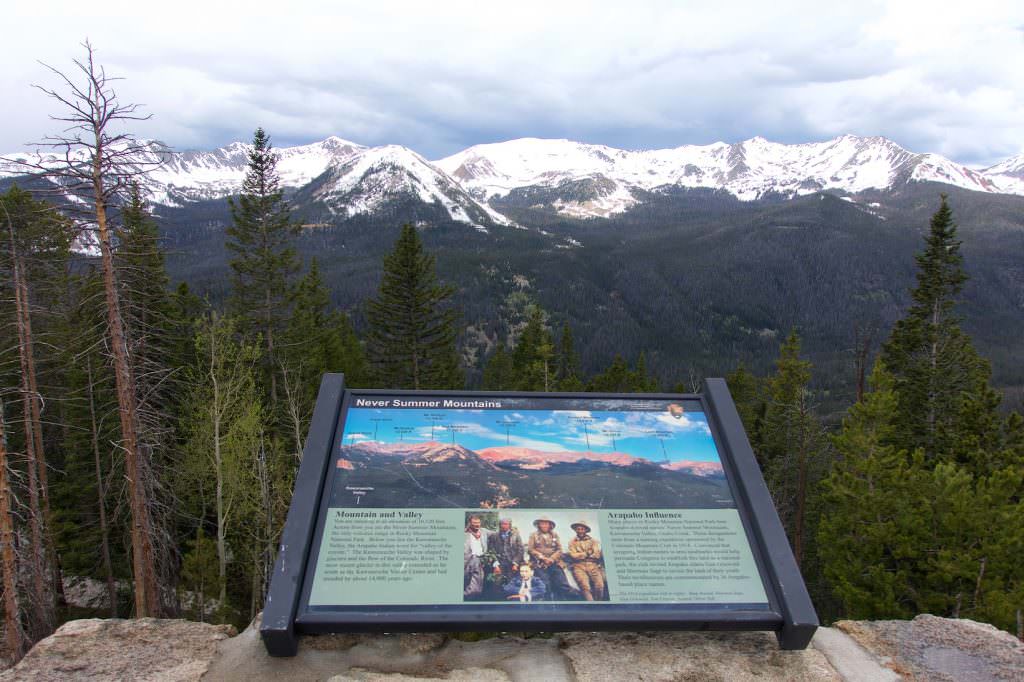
[441, 76]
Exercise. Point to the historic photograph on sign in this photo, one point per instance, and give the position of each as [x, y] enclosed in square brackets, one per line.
[662, 456]
[523, 557]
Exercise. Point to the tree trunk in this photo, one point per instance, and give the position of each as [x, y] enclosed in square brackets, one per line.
[215, 407]
[270, 353]
[143, 562]
[801, 485]
[268, 550]
[108, 567]
[35, 400]
[12, 614]
[41, 602]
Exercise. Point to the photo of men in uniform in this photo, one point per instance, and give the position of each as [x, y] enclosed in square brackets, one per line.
[587, 564]
[504, 564]
[545, 550]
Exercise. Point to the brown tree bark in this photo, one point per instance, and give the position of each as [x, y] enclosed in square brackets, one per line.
[143, 564]
[41, 602]
[52, 562]
[116, 161]
[12, 613]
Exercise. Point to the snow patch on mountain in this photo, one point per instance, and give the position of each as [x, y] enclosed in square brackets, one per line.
[572, 178]
[749, 170]
[197, 175]
[1008, 176]
[368, 180]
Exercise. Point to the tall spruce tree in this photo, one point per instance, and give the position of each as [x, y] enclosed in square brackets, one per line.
[940, 382]
[264, 262]
[748, 392]
[316, 340]
[794, 449]
[568, 371]
[872, 524]
[90, 522]
[908, 535]
[619, 378]
[533, 367]
[34, 249]
[497, 374]
[412, 337]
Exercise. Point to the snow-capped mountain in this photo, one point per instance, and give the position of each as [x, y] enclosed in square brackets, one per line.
[600, 180]
[369, 179]
[195, 175]
[572, 178]
[348, 178]
[1008, 175]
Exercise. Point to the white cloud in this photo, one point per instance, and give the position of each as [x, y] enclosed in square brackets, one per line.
[440, 76]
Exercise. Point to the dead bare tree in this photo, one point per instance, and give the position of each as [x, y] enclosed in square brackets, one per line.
[94, 165]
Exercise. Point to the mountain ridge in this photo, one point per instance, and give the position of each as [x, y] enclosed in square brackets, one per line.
[565, 177]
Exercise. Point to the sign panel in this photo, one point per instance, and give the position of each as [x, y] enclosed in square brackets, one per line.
[423, 511]
[513, 501]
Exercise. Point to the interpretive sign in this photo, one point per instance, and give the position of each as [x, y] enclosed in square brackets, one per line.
[500, 511]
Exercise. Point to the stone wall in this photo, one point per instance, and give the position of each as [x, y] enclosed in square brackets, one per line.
[926, 648]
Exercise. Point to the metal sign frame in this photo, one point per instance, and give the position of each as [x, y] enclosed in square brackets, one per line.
[790, 613]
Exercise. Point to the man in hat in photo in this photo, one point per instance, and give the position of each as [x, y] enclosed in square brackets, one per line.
[545, 550]
[586, 563]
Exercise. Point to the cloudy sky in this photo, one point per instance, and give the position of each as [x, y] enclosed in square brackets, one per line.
[440, 76]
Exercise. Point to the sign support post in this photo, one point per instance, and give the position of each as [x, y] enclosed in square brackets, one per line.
[799, 619]
[278, 626]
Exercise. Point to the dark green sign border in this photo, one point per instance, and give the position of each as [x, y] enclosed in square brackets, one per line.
[790, 613]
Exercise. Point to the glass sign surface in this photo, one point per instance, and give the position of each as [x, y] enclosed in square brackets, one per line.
[521, 502]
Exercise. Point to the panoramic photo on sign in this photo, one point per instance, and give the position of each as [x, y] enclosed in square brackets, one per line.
[520, 501]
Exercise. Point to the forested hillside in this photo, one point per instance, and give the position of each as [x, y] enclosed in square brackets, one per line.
[697, 280]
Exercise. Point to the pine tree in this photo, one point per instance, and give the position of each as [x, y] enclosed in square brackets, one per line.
[316, 340]
[497, 375]
[619, 378]
[872, 525]
[793, 451]
[263, 263]
[568, 371]
[941, 383]
[155, 331]
[13, 637]
[411, 342]
[533, 367]
[643, 382]
[35, 248]
[906, 535]
[86, 492]
[748, 393]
